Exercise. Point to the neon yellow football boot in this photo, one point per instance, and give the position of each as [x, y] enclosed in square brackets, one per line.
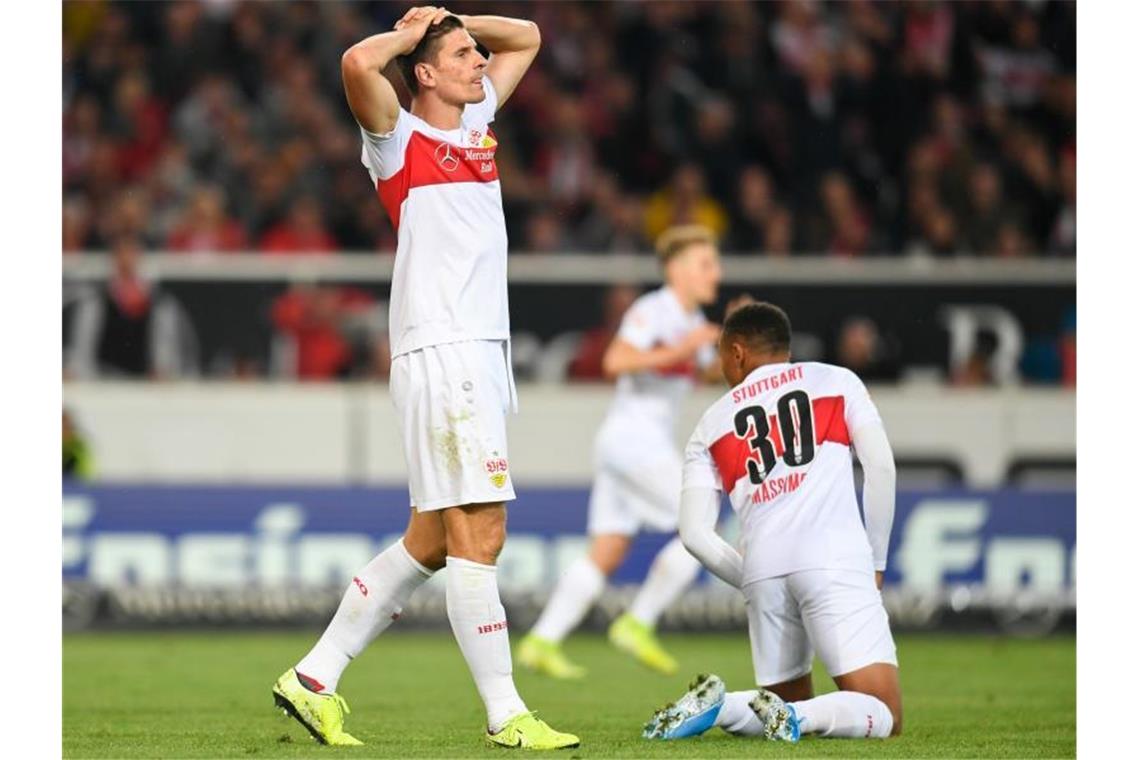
[526, 731]
[322, 715]
[546, 657]
[631, 636]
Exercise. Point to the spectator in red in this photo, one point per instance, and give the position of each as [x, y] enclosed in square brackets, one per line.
[848, 226]
[587, 361]
[928, 37]
[302, 231]
[314, 318]
[205, 227]
[139, 119]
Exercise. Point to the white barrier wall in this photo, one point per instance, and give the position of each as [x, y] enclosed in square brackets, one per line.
[317, 433]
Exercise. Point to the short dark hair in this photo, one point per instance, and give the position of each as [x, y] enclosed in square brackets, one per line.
[426, 50]
[763, 326]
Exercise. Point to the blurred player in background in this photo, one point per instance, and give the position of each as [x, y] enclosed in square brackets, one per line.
[435, 173]
[779, 445]
[663, 345]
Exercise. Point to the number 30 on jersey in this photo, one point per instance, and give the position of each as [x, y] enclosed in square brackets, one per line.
[795, 427]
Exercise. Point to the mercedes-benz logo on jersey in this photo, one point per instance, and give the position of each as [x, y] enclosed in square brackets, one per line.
[446, 157]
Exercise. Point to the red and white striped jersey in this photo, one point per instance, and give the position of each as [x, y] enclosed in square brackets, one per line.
[779, 445]
[654, 397]
[441, 190]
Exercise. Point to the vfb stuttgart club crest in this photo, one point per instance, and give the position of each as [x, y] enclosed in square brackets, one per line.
[496, 468]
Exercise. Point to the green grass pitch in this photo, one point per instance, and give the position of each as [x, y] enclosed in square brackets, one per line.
[207, 695]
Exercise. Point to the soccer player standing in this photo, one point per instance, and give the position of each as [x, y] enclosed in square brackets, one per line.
[434, 171]
[663, 345]
[778, 444]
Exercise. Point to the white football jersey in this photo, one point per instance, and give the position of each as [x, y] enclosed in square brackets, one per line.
[779, 445]
[441, 191]
[654, 397]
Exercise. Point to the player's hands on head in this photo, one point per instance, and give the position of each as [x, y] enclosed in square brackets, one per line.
[421, 17]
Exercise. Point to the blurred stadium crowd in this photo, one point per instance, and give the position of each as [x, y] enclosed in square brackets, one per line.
[847, 128]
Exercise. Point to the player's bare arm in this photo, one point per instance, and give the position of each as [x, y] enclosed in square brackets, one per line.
[513, 44]
[622, 357]
[370, 95]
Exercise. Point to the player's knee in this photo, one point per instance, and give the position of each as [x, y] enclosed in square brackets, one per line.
[483, 547]
[433, 557]
[607, 552]
[607, 561]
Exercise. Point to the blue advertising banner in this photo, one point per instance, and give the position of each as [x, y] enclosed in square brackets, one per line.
[238, 537]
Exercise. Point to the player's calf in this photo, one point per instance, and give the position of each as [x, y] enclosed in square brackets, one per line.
[426, 540]
[881, 681]
[868, 706]
[794, 690]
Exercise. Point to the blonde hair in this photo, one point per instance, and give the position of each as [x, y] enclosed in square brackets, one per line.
[676, 239]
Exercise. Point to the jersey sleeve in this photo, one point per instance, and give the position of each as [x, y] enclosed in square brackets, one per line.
[483, 112]
[860, 410]
[638, 327]
[699, 469]
[383, 154]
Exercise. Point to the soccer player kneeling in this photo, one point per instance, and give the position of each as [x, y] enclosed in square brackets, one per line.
[810, 570]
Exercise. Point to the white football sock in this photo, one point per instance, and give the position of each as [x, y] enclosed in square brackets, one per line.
[479, 623]
[577, 590]
[672, 571]
[845, 714]
[373, 600]
[736, 717]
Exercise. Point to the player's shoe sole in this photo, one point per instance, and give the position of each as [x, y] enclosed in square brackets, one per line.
[692, 714]
[288, 708]
[779, 718]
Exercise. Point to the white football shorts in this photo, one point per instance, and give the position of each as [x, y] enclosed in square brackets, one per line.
[837, 613]
[637, 484]
[451, 404]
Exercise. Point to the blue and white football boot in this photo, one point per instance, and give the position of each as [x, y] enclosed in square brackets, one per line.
[780, 721]
[691, 715]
